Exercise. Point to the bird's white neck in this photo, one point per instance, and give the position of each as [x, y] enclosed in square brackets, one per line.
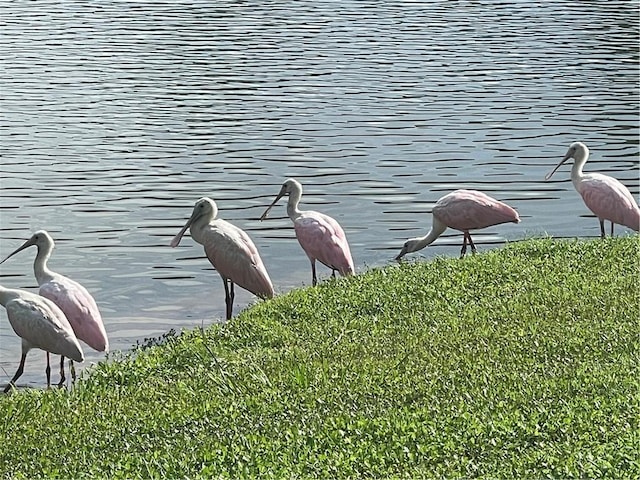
[199, 226]
[579, 159]
[40, 269]
[437, 229]
[292, 204]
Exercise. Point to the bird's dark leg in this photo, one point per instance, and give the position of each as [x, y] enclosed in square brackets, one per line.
[62, 377]
[47, 371]
[601, 227]
[228, 296]
[473, 247]
[314, 279]
[464, 245]
[612, 229]
[12, 383]
[333, 273]
[72, 369]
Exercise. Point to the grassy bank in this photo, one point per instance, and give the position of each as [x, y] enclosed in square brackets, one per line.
[521, 362]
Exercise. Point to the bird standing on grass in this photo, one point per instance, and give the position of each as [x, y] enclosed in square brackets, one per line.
[462, 210]
[230, 251]
[605, 196]
[40, 324]
[73, 299]
[319, 235]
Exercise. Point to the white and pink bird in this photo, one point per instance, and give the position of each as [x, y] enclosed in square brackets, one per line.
[40, 324]
[230, 251]
[605, 196]
[73, 299]
[319, 235]
[462, 210]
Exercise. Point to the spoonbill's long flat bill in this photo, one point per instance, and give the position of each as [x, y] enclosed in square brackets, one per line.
[40, 324]
[230, 251]
[73, 299]
[320, 236]
[605, 196]
[462, 210]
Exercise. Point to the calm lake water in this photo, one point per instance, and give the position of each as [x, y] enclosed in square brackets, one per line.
[117, 116]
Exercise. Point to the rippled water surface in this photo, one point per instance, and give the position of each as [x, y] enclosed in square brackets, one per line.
[117, 116]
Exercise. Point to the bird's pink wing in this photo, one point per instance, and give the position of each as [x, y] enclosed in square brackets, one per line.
[322, 238]
[43, 326]
[470, 210]
[234, 255]
[610, 200]
[80, 309]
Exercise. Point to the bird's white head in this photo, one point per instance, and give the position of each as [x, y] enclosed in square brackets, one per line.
[205, 208]
[290, 187]
[578, 151]
[409, 246]
[41, 239]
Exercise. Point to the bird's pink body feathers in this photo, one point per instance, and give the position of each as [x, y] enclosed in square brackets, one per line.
[234, 256]
[609, 200]
[322, 239]
[42, 324]
[73, 299]
[80, 309]
[469, 210]
[320, 236]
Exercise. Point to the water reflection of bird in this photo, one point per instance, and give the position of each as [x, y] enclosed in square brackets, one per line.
[74, 300]
[40, 324]
[320, 236]
[230, 251]
[605, 196]
[462, 210]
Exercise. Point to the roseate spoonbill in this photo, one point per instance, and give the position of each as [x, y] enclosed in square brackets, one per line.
[462, 210]
[40, 324]
[73, 299]
[230, 251]
[319, 235]
[605, 196]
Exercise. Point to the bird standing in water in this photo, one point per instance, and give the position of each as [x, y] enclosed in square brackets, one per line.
[73, 299]
[40, 324]
[605, 196]
[230, 251]
[319, 235]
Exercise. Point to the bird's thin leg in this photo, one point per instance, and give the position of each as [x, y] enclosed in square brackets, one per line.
[612, 229]
[233, 296]
[62, 377]
[464, 245]
[72, 369]
[12, 383]
[601, 227]
[333, 273]
[228, 296]
[473, 247]
[314, 279]
[47, 371]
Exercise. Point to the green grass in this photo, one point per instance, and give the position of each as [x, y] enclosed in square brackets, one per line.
[518, 363]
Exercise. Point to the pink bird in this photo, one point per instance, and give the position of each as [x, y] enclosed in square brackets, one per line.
[230, 251]
[320, 236]
[40, 324]
[462, 210]
[605, 196]
[73, 299]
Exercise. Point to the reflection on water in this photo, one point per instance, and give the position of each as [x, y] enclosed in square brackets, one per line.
[116, 117]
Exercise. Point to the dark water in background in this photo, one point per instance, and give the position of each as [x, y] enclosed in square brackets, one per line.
[115, 117]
